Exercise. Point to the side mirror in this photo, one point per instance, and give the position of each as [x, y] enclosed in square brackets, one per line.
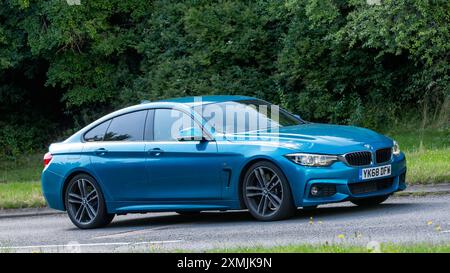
[190, 134]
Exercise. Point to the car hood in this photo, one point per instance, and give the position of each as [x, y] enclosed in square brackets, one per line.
[318, 138]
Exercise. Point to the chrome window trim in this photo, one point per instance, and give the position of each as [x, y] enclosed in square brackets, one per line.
[208, 135]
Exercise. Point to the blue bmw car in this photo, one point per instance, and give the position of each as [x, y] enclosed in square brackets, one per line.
[216, 153]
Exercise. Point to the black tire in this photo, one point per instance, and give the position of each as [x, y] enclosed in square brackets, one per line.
[371, 201]
[86, 209]
[261, 203]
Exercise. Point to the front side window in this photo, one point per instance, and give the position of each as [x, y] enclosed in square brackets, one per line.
[169, 122]
[97, 133]
[128, 127]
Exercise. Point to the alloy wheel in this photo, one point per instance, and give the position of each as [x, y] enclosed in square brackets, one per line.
[83, 201]
[264, 191]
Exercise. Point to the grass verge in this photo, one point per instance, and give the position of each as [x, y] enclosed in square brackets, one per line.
[24, 168]
[427, 154]
[21, 195]
[384, 248]
[429, 166]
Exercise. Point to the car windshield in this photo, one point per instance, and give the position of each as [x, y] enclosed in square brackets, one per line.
[232, 117]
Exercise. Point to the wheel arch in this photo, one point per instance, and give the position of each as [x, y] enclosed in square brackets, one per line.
[72, 175]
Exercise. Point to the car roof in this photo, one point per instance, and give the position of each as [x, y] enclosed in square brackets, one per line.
[201, 100]
[183, 102]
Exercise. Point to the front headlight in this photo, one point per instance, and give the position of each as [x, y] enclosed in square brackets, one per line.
[315, 160]
[396, 148]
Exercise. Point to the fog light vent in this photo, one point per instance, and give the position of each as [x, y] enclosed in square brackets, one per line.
[403, 178]
[323, 190]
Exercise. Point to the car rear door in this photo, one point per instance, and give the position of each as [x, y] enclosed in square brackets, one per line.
[119, 157]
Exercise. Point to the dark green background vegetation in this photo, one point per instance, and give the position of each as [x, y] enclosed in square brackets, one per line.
[347, 62]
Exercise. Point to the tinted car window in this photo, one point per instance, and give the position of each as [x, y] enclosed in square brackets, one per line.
[97, 133]
[168, 123]
[128, 127]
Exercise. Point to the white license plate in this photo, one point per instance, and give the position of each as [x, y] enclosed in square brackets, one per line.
[375, 172]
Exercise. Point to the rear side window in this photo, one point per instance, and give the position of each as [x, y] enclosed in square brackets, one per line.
[97, 133]
[128, 127]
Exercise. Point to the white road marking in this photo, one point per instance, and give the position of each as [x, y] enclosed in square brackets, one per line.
[91, 244]
[129, 233]
[445, 231]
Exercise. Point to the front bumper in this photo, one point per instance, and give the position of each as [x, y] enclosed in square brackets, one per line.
[346, 183]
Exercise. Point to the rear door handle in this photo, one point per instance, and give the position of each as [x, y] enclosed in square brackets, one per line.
[101, 151]
[155, 152]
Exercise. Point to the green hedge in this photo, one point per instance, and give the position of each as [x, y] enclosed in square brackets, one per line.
[327, 60]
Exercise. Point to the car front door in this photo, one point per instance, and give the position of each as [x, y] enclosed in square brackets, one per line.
[181, 170]
[118, 157]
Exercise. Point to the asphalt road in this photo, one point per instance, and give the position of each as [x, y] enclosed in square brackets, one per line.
[399, 220]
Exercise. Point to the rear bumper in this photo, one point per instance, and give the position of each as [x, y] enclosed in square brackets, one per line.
[52, 188]
[346, 183]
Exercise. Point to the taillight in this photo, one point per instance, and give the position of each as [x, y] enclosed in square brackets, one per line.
[47, 158]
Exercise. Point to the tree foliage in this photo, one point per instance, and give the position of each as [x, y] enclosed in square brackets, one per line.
[343, 61]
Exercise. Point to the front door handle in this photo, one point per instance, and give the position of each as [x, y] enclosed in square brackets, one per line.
[101, 151]
[155, 152]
